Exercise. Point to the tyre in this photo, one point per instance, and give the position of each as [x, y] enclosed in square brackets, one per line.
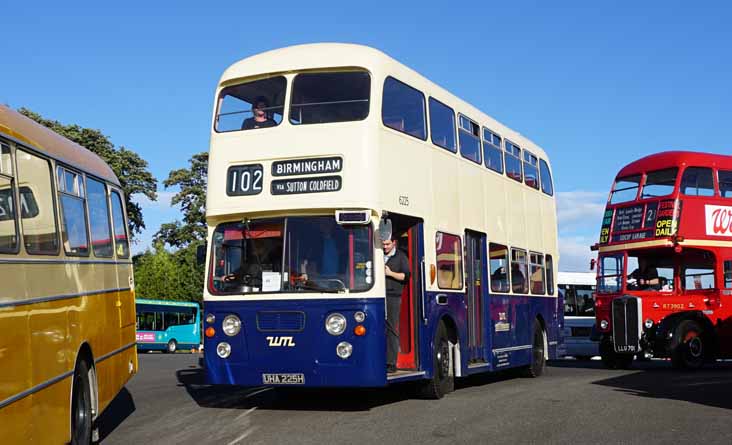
[81, 409]
[691, 348]
[442, 381]
[538, 352]
[172, 347]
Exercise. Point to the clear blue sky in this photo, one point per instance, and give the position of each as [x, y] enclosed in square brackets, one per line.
[596, 86]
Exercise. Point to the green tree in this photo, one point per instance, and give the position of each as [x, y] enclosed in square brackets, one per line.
[130, 168]
[192, 200]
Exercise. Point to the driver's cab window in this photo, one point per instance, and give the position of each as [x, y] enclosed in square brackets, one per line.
[647, 272]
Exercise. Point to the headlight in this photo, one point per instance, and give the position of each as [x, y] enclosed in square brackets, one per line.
[648, 324]
[335, 324]
[231, 325]
[344, 349]
[604, 324]
[223, 349]
[359, 317]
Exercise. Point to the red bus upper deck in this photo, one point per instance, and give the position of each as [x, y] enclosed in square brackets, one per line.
[670, 198]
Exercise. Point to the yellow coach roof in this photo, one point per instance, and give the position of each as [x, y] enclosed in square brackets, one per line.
[345, 55]
[38, 137]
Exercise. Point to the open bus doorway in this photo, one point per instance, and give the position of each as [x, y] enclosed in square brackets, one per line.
[408, 231]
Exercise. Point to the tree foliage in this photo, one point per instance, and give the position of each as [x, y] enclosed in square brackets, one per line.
[164, 275]
[130, 168]
[192, 200]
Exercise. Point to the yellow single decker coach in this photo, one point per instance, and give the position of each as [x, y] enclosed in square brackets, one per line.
[67, 305]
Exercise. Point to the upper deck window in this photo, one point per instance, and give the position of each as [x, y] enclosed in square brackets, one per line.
[251, 105]
[513, 161]
[531, 170]
[725, 183]
[442, 125]
[469, 139]
[546, 178]
[319, 98]
[625, 189]
[492, 152]
[659, 183]
[697, 181]
[402, 109]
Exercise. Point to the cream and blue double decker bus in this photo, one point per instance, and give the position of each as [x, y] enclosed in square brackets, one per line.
[318, 152]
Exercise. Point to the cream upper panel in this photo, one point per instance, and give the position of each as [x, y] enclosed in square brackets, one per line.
[369, 151]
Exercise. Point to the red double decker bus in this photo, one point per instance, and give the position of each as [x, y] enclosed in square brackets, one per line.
[665, 261]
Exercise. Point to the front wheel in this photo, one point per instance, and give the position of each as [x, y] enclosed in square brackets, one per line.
[442, 381]
[689, 352]
[538, 353]
[172, 347]
[81, 409]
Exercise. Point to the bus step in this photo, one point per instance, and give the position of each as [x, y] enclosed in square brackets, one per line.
[403, 374]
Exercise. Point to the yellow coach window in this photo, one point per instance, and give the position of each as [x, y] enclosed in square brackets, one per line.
[119, 225]
[38, 218]
[99, 218]
[73, 229]
[8, 222]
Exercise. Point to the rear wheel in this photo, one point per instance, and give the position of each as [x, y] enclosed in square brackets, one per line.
[172, 346]
[81, 409]
[442, 381]
[538, 353]
[689, 353]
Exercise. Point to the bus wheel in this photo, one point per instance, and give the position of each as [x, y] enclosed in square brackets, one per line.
[689, 353]
[81, 409]
[172, 346]
[538, 354]
[442, 382]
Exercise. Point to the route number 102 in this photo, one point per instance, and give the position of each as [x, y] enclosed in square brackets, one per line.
[244, 180]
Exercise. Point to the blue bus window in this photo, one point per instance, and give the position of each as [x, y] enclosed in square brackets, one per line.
[469, 135]
[402, 108]
[492, 151]
[531, 171]
[546, 178]
[442, 125]
[513, 161]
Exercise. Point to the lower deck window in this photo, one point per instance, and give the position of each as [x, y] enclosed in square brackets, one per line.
[449, 261]
[294, 254]
[519, 272]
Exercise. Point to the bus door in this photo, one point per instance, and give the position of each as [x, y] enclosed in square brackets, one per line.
[475, 297]
[411, 242]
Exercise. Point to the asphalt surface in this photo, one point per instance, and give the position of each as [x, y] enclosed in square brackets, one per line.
[575, 402]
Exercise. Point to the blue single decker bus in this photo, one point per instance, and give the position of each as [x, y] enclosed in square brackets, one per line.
[165, 325]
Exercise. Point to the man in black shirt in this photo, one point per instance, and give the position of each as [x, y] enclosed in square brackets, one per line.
[259, 117]
[646, 275]
[396, 269]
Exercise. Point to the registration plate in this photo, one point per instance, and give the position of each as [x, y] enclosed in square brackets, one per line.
[283, 379]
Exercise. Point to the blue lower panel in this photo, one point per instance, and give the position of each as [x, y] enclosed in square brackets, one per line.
[309, 350]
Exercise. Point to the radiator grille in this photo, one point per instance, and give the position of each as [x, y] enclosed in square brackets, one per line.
[280, 321]
[626, 324]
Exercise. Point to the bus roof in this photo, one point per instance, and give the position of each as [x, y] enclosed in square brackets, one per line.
[576, 278]
[37, 137]
[319, 56]
[167, 302]
[668, 159]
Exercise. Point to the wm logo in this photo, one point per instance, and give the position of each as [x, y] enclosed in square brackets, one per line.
[281, 341]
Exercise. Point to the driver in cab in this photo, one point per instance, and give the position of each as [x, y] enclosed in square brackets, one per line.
[645, 276]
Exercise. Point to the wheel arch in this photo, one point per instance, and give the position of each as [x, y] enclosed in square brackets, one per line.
[544, 334]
